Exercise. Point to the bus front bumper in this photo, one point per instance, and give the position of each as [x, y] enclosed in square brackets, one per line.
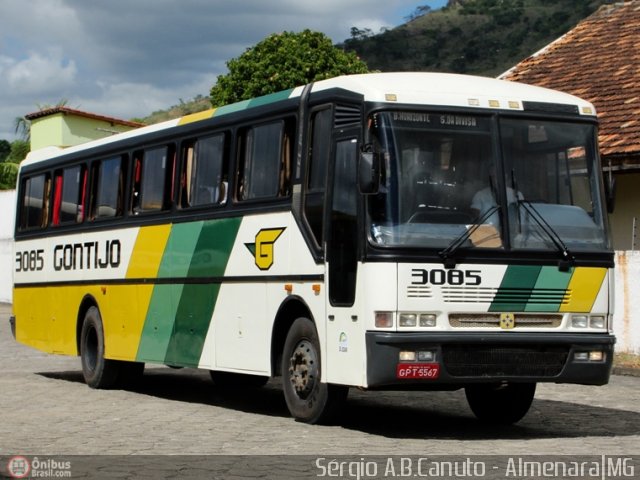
[450, 360]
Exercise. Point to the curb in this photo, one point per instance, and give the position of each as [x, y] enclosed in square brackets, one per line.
[626, 371]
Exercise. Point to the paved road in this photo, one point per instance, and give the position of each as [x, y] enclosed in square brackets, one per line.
[45, 409]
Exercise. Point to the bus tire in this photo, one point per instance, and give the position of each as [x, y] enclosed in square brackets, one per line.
[308, 399]
[97, 371]
[501, 404]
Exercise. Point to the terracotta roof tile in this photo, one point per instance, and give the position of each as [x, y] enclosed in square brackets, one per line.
[599, 60]
[66, 110]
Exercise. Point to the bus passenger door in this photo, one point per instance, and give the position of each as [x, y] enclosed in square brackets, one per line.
[345, 347]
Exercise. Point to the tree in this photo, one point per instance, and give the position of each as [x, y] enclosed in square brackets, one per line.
[8, 175]
[283, 61]
[5, 150]
[9, 167]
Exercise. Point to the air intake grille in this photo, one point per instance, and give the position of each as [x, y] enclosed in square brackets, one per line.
[346, 116]
[498, 361]
[506, 296]
[492, 320]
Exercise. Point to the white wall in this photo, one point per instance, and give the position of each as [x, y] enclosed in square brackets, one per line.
[626, 321]
[7, 216]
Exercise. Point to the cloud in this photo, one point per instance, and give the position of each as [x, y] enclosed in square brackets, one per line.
[41, 73]
[128, 58]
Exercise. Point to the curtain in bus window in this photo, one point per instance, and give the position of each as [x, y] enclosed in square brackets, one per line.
[57, 199]
[262, 162]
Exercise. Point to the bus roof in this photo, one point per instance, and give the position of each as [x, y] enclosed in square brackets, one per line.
[402, 88]
[446, 89]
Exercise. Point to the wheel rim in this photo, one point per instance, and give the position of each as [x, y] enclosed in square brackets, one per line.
[303, 368]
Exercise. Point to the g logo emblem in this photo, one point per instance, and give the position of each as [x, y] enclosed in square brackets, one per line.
[262, 249]
[507, 321]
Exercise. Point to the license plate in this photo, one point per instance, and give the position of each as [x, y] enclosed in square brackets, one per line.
[426, 371]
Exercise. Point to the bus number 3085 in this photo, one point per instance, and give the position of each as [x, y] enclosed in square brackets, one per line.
[453, 276]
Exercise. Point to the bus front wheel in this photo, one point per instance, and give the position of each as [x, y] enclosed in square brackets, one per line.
[97, 371]
[502, 404]
[308, 399]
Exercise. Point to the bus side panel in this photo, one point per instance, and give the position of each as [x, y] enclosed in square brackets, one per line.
[269, 253]
[346, 354]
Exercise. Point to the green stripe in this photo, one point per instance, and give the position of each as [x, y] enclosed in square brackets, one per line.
[550, 278]
[159, 322]
[197, 302]
[179, 315]
[515, 289]
[158, 325]
[252, 103]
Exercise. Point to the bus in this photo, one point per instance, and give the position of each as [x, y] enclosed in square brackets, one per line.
[407, 231]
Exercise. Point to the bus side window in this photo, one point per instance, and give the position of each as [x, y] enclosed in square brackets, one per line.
[265, 161]
[203, 176]
[69, 199]
[319, 151]
[107, 198]
[153, 180]
[34, 211]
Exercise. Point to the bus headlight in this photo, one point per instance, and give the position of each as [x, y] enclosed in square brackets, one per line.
[408, 320]
[428, 320]
[579, 321]
[598, 321]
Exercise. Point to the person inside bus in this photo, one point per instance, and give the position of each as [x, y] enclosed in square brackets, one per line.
[485, 200]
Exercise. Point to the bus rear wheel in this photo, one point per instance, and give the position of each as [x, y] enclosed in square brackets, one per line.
[97, 371]
[308, 399]
[501, 404]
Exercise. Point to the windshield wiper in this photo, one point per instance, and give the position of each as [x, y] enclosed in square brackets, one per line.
[567, 259]
[447, 254]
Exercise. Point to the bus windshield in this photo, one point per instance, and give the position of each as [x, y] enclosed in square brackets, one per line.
[512, 183]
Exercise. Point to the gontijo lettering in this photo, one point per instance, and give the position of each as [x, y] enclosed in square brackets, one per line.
[87, 255]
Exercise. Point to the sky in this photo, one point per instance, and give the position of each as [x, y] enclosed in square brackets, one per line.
[129, 58]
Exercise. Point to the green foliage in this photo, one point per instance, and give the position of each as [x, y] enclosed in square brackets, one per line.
[283, 61]
[5, 150]
[8, 175]
[9, 165]
[483, 37]
[19, 150]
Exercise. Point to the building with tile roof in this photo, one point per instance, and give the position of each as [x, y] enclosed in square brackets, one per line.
[64, 127]
[599, 60]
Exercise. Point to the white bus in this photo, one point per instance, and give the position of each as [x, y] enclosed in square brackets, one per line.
[380, 231]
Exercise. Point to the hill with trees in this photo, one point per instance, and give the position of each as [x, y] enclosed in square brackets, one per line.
[483, 37]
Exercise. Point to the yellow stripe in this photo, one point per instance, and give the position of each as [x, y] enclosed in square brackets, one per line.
[584, 286]
[126, 309]
[196, 117]
[148, 251]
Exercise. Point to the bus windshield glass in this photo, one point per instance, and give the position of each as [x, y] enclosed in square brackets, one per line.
[470, 179]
